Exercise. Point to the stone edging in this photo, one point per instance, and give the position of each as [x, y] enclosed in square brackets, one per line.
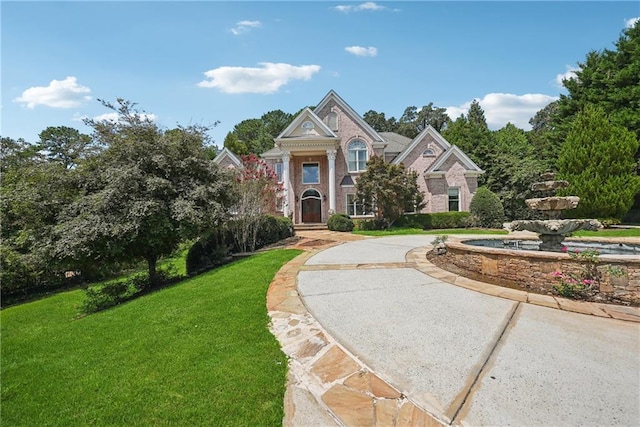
[620, 312]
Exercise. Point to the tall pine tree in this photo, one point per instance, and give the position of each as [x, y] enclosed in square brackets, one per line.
[597, 160]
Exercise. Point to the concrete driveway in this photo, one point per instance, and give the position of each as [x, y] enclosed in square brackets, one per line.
[466, 357]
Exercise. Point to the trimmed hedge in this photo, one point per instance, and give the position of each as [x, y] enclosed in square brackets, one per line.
[340, 222]
[215, 248]
[439, 220]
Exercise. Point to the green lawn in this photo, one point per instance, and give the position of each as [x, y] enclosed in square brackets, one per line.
[403, 231]
[197, 353]
[610, 232]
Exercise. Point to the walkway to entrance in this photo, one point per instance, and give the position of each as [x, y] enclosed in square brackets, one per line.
[378, 336]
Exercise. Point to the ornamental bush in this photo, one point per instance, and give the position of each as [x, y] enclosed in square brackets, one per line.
[442, 220]
[486, 209]
[340, 222]
[272, 229]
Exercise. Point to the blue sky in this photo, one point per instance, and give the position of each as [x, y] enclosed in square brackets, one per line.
[207, 61]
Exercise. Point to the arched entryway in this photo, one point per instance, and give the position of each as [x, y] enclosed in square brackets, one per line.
[311, 206]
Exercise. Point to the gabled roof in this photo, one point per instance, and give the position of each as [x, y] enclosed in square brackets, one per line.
[396, 143]
[332, 95]
[226, 153]
[307, 115]
[454, 151]
[429, 130]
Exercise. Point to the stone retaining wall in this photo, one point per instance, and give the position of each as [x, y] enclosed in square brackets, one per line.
[533, 270]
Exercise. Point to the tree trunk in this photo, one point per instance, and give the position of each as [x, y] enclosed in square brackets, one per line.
[151, 262]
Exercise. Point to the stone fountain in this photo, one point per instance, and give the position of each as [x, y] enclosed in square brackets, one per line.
[553, 230]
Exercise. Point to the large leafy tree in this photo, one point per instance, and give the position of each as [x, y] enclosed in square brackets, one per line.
[255, 136]
[33, 193]
[388, 190]
[429, 115]
[144, 194]
[66, 145]
[597, 160]
[471, 133]
[512, 167]
[379, 122]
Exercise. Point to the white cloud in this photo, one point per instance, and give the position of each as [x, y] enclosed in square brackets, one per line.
[65, 93]
[370, 6]
[569, 74]
[77, 117]
[631, 22]
[112, 117]
[502, 108]
[266, 79]
[362, 51]
[244, 26]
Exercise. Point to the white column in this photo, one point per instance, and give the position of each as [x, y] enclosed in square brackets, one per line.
[285, 181]
[331, 156]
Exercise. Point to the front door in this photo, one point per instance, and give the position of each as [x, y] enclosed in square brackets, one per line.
[311, 206]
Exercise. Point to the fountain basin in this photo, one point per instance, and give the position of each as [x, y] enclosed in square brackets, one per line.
[552, 232]
[554, 203]
[531, 269]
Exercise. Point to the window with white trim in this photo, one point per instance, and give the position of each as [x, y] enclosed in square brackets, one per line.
[357, 156]
[356, 207]
[454, 199]
[311, 173]
[278, 167]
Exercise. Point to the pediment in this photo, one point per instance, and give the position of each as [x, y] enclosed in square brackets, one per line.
[307, 126]
[454, 152]
[429, 134]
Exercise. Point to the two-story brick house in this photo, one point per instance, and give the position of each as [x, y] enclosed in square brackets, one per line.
[321, 154]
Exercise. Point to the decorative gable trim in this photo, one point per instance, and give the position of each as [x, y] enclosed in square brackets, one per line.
[332, 95]
[226, 153]
[429, 130]
[307, 115]
[472, 169]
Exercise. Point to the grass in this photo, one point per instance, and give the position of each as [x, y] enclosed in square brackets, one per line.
[402, 231]
[609, 232]
[198, 353]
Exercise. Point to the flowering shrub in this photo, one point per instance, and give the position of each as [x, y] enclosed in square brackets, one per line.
[572, 285]
[588, 280]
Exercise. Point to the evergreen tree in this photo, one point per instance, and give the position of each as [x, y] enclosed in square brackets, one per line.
[597, 160]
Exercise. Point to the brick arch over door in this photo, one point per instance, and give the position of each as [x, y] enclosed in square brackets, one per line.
[311, 206]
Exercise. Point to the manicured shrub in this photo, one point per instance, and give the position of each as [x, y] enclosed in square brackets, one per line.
[209, 251]
[371, 224]
[486, 209]
[272, 229]
[340, 222]
[215, 248]
[98, 298]
[442, 220]
[417, 220]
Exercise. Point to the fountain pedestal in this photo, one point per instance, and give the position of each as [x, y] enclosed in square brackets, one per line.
[553, 231]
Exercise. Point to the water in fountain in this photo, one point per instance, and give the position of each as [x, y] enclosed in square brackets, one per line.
[553, 230]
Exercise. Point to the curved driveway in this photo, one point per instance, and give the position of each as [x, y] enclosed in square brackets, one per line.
[467, 357]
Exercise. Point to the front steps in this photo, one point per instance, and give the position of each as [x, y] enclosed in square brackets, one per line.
[307, 227]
